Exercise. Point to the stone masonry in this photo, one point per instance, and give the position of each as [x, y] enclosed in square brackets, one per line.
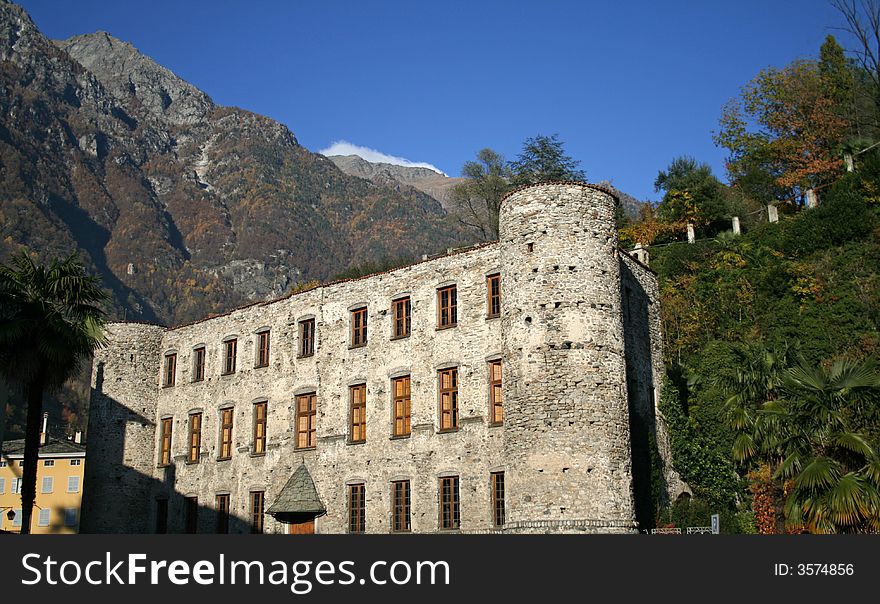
[578, 338]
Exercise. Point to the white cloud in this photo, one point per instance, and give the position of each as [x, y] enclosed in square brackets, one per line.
[374, 156]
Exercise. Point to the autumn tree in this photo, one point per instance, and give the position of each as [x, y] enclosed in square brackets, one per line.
[477, 200]
[783, 133]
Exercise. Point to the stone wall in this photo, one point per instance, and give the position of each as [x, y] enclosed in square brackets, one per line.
[564, 445]
[122, 415]
[566, 426]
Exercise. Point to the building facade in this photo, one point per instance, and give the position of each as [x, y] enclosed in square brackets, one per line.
[60, 470]
[491, 389]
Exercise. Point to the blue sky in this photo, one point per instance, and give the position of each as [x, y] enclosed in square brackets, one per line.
[628, 86]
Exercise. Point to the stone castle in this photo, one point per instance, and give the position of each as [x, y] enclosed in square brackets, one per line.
[509, 387]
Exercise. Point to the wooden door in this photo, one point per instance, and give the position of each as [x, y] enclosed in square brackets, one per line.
[306, 527]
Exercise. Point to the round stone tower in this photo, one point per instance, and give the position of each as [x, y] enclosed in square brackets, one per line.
[566, 420]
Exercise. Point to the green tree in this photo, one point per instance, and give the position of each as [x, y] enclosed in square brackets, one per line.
[691, 193]
[754, 383]
[50, 323]
[835, 471]
[477, 200]
[543, 159]
[803, 421]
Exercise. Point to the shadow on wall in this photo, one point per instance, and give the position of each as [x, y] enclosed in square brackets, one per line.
[650, 488]
[119, 498]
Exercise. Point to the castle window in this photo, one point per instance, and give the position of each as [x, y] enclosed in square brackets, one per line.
[165, 451]
[260, 411]
[402, 406]
[307, 338]
[49, 463]
[75, 462]
[496, 408]
[449, 399]
[195, 437]
[199, 364]
[449, 504]
[191, 515]
[229, 348]
[358, 398]
[493, 286]
[258, 499]
[306, 407]
[43, 520]
[447, 307]
[161, 516]
[263, 349]
[222, 508]
[73, 484]
[402, 311]
[48, 483]
[358, 327]
[170, 367]
[226, 416]
[400, 506]
[497, 487]
[356, 508]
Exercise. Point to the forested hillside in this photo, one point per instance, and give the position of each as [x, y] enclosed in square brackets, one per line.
[772, 335]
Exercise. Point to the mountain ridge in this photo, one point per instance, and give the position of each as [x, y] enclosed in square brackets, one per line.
[182, 206]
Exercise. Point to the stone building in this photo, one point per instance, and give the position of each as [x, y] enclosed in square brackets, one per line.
[507, 387]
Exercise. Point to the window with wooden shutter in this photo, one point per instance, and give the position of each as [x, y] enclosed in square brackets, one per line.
[199, 364]
[170, 369]
[447, 307]
[263, 349]
[356, 508]
[195, 437]
[493, 287]
[307, 338]
[358, 398]
[448, 399]
[496, 407]
[165, 452]
[260, 420]
[401, 317]
[306, 406]
[226, 416]
[449, 503]
[359, 327]
[402, 405]
[400, 506]
[229, 352]
[497, 487]
[258, 499]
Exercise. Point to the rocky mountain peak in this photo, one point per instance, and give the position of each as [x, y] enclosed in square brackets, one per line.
[126, 72]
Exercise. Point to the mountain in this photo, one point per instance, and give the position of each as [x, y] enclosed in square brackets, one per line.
[182, 206]
[439, 186]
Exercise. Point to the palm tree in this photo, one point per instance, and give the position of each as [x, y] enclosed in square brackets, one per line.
[754, 384]
[50, 323]
[833, 468]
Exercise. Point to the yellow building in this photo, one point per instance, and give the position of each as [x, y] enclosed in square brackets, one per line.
[59, 486]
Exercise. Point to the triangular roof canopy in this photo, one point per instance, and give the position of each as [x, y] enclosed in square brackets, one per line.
[299, 496]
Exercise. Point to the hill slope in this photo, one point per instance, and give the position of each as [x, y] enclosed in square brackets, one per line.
[183, 207]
